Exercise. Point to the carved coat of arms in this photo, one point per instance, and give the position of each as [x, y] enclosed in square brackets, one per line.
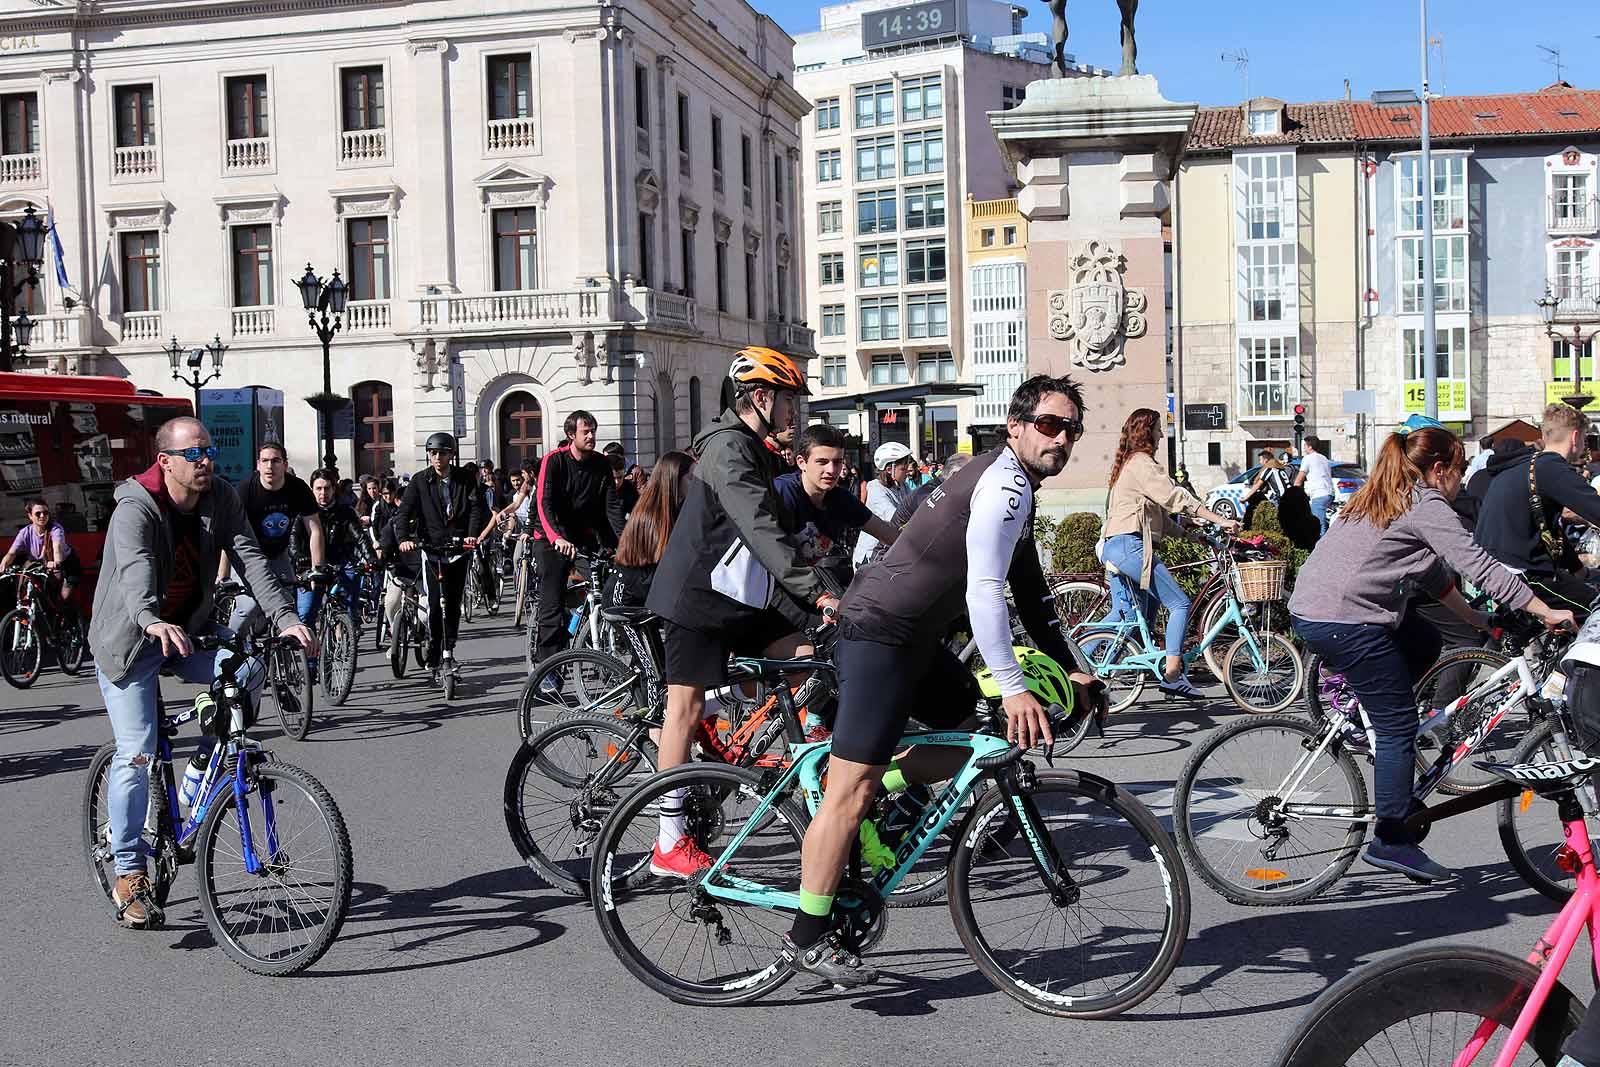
[1098, 313]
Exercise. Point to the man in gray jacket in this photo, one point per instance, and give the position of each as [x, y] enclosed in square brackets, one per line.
[170, 526]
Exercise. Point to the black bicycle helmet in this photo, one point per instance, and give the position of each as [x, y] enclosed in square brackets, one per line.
[440, 442]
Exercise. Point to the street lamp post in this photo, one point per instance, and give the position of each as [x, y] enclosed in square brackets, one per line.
[324, 303]
[1549, 305]
[191, 359]
[21, 245]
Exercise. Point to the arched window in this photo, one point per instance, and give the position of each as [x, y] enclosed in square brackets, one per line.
[374, 416]
[727, 394]
[694, 407]
[521, 431]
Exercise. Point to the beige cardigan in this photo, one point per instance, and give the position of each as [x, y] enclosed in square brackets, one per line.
[1141, 501]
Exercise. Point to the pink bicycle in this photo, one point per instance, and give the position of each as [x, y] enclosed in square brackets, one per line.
[1457, 1005]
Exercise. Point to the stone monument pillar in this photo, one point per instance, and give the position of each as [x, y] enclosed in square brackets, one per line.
[1095, 156]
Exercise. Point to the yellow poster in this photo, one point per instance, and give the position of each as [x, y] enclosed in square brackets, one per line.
[1556, 392]
[1452, 398]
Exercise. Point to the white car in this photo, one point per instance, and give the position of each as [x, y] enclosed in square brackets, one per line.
[1226, 498]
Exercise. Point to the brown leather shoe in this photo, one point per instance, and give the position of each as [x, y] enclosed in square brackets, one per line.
[134, 897]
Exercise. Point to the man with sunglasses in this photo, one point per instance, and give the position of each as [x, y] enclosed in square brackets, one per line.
[972, 535]
[441, 503]
[168, 529]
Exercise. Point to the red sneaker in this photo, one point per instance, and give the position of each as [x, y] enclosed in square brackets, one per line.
[684, 860]
[818, 733]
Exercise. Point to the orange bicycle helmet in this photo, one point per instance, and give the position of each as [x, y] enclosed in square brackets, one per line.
[756, 366]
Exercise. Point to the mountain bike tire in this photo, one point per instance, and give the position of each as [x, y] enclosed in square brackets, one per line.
[290, 787]
[72, 647]
[161, 862]
[739, 940]
[1530, 830]
[1381, 1013]
[448, 684]
[1239, 867]
[562, 784]
[292, 687]
[1268, 691]
[585, 676]
[399, 642]
[1478, 664]
[21, 649]
[337, 664]
[1116, 852]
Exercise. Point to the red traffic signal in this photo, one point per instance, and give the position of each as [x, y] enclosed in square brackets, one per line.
[1299, 409]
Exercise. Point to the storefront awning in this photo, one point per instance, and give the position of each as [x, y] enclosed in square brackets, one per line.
[899, 396]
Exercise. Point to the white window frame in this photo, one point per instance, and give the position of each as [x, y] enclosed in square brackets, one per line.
[927, 302]
[154, 81]
[1582, 215]
[830, 210]
[1454, 332]
[895, 364]
[835, 371]
[1282, 367]
[921, 140]
[877, 144]
[828, 105]
[878, 253]
[1264, 121]
[1450, 272]
[918, 88]
[832, 155]
[878, 92]
[1266, 238]
[388, 112]
[880, 304]
[273, 100]
[833, 314]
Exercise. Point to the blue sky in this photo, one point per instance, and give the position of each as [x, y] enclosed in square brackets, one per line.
[1304, 51]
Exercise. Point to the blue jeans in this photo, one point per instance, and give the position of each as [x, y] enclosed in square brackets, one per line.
[1126, 553]
[134, 707]
[307, 601]
[1319, 511]
[1382, 665]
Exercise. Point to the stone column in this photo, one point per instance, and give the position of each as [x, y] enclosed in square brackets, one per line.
[434, 248]
[65, 142]
[1095, 156]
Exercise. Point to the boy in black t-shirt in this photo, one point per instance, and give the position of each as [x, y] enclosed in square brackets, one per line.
[276, 502]
[824, 511]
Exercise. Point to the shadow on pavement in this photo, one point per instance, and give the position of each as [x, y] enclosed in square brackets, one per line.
[24, 766]
[25, 719]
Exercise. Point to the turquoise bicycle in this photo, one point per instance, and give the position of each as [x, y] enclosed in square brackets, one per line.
[1262, 669]
[1064, 889]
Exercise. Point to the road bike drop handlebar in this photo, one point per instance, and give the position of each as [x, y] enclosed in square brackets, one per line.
[1054, 712]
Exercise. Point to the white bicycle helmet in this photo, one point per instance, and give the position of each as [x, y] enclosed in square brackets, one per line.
[890, 453]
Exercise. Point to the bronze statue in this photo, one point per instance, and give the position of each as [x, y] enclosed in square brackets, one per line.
[1058, 34]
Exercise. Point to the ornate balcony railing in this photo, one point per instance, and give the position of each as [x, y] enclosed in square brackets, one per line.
[248, 154]
[252, 322]
[136, 161]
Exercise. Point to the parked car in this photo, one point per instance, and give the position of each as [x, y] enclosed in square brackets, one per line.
[1226, 498]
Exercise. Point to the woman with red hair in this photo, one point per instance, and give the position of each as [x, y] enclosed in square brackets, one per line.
[1140, 499]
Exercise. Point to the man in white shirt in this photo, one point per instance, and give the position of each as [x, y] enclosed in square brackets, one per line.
[1316, 476]
[884, 494]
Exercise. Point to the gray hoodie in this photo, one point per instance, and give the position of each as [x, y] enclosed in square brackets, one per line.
[136, 565]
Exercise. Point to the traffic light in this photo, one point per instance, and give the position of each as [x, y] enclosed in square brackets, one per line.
[1299, 424]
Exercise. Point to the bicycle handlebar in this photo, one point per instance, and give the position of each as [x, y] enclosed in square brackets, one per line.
[1015, 752]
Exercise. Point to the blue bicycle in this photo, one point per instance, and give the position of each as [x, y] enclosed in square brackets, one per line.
[270, 848]
[1064, 889]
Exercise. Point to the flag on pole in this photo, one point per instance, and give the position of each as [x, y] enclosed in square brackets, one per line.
[61, 259]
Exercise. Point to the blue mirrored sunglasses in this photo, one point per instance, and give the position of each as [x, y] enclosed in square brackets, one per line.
[192, 454]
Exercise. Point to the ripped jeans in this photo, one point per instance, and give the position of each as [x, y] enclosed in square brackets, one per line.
[134, 706]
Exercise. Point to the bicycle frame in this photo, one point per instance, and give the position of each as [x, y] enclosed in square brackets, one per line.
[1153, 659]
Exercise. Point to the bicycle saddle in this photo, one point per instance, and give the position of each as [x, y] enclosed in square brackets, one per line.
[748, 668]
[1546, 779]
[626, 616]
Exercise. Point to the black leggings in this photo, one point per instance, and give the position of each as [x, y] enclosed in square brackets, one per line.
[883, 686]
[444, 619]
[554, 569]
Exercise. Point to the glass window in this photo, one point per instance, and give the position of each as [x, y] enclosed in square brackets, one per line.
[830, 217]
[936, 367]
[686, 255]
[925, 261]
[1449, 193]
[252, 266]
[1269, 272]
[1269, 376]
[136, 116]
[716, 152]
[1009, 235]
[684, 135]
[833, 320]
[923, 153]
[1450, 365]
[19, 124]
[1449, 273]
[1268, 194]
[927, 315]
[986, 238]
[374, 417]
[834, 372]
[828, 165]
[746, 172]
[1561, 352]
[750, 311]
[831, 268]
[647, 259]
[924, 206]
[874, 158]
[1574, 274]
[721, 257]
[369, 259]
[878, 265]
[1571, 203]
[510, 87]
[247, 107]
[515, 245]
[1263, 122]
[889, 370]
[828, 113]
[641, 96]
[876, 212]
[362, 89]
[880, 318]
[141, 271]
[922, 98]
[874, 105]
[1011, 96]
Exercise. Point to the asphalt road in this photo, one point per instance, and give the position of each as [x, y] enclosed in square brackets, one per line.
[453, 953]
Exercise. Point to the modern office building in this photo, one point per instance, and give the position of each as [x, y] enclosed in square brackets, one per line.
[1300, 251]
[536, 208]
[897, 141]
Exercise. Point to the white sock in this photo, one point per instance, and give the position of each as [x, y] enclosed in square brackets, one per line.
[671, 828]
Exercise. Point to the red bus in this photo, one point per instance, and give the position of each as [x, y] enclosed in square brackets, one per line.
[71, 441]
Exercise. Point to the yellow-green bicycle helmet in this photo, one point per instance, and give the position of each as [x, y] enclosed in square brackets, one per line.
[1044, 676]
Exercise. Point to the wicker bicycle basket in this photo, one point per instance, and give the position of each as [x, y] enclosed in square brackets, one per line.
[1262, 581]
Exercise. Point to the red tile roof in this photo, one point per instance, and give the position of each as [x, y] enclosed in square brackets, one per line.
[1556, 111]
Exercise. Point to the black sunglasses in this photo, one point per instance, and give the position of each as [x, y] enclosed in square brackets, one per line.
[1052, 425]
[193, 453]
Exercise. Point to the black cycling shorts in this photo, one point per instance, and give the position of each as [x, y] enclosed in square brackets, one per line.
[700, 657]
[883, 687]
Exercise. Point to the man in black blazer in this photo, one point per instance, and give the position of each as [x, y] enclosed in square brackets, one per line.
[441, 503]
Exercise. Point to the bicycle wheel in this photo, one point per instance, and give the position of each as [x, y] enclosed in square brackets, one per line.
[338, 662]
[398, 642]
[1530, 830]
[1123, 687]
[1080, 602]
[674, 936]
[21, 650]
[928, 879]
[491, 591]
[578, 680]
[469, 592]
[291, 690]
[280, 919]
[1419, 1008]
[561, 786]
[1457, 672]
[1269, 684]
[1099, 954]
[161, 860]
[520, 613]
[380, 627]
[1228, 811]
[72, 647]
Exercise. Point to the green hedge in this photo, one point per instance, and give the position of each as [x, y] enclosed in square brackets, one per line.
[1068, 543]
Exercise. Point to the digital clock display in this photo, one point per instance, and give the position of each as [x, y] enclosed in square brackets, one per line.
[915, 22]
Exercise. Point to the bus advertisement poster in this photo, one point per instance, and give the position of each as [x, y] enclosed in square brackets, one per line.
[229, 415]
